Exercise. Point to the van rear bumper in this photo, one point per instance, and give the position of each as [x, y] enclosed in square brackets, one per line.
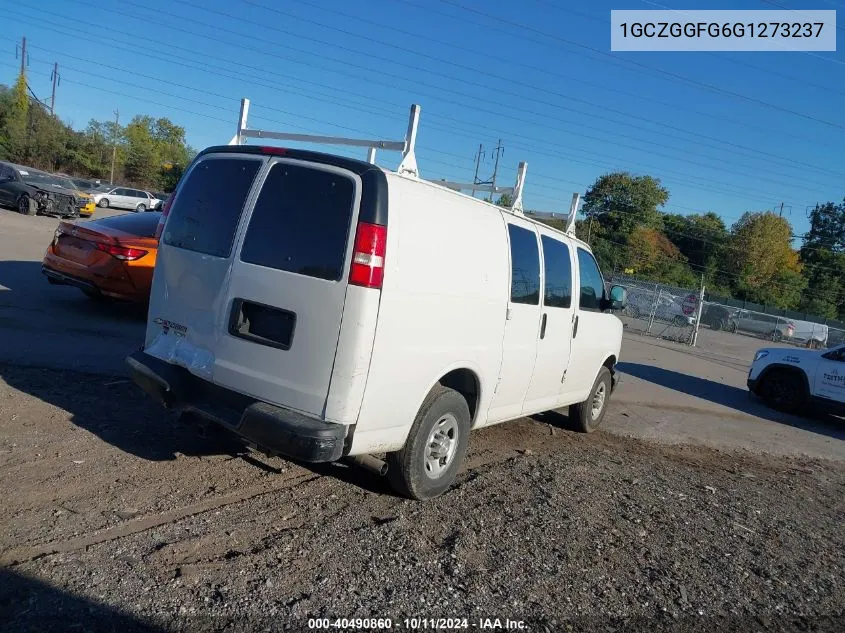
[271, 428]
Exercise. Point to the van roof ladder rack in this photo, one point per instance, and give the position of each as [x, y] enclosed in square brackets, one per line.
[408, 165]
[515, 192]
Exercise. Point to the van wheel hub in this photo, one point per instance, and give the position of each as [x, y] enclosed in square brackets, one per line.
[598, 401]
[442, 445]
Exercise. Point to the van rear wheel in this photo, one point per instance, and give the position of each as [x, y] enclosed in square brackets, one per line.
[434, 451]
[588, 415]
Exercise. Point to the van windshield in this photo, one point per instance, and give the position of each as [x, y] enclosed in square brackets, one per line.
[204, 217]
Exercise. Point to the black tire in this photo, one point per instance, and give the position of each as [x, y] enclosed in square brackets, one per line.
[718, 324]
[582, 415]
[784, 390]
[680, 321]
[26, 205]
[408, 468]
[103, 203]
[732, 327]
[777, 336]
[141, 208]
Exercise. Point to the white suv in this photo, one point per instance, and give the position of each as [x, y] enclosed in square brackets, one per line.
[325, 308]
[790, 379]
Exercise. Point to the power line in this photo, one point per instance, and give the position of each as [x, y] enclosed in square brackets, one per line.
[755, 153]
[719, 56]
[181, 29]
[508, 80]
[452, 131]
[672, 75]
[514, 80]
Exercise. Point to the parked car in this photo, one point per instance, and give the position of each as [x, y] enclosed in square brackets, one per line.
[110, 257]
[715, 316]
[85, 184]
[123, 198]
[158, 200]
[87, 206]
[34, 192]
[790, 379]
[667, 308]
[319, 307]
[772, 327]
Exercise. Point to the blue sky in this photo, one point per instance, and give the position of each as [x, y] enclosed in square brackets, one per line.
[728, 132]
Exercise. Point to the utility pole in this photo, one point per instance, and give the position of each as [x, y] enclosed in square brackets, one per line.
[55, 82]
[114, 144]
[781, 209]
[477, 163]
[500, 151]
[23, 55]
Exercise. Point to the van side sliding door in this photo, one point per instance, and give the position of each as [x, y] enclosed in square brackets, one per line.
[522, 321]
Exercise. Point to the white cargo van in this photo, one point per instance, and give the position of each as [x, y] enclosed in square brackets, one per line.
[324, 308]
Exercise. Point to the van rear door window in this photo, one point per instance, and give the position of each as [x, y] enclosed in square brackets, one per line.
[525, 266]
[301, 222]
[204, 217]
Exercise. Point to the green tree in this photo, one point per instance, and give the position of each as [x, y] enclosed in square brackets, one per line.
[823, 256]
[621, 202]
[701, 239]
[769, 270]
[14, 120]
[505, 200]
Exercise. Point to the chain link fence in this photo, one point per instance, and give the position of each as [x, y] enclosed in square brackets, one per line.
[804, 330]
[676, 314]
[659, 310]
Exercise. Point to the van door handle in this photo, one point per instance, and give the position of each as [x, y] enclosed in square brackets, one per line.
[543, 326]
[575, 328]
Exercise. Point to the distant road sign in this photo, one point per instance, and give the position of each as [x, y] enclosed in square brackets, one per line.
[690, 304]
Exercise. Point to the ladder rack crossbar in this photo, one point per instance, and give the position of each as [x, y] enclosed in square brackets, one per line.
[398, 146]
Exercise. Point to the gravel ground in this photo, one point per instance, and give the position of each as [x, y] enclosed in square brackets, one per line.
[117, 519]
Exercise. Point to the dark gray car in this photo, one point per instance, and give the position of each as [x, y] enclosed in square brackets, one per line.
[34, 192]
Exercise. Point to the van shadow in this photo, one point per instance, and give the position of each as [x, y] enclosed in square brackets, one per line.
[733, 397]
[119, 413]
[29, 604]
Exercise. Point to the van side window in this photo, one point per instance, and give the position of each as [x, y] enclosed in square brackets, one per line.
[525, 266]
[592, 284]
[301, 222]
[558, 269]
[204, 218]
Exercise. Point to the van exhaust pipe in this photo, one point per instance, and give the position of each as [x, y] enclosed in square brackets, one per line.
[370, 463]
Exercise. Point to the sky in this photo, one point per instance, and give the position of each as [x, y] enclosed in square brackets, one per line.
[724, 132]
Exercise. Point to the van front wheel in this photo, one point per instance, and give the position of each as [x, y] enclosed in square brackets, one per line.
[587, 416]
[434, 451]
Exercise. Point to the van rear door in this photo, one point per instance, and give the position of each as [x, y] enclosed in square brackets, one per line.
[263, 310]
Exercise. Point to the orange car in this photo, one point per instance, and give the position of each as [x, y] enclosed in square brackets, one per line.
[110, 257]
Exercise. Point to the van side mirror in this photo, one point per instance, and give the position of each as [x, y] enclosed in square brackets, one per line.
[618, 298]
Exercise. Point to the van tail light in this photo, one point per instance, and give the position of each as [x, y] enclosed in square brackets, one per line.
[121, 252]
[367, 268]
[165, 211]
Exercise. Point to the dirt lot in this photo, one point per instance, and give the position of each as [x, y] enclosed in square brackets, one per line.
[697, 509]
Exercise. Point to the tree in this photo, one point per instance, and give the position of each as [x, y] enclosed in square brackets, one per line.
[769, 270]
[621, 202]
[505, 200]
[653, 255]
[823, 256]
[14, 120]
[701, 239]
